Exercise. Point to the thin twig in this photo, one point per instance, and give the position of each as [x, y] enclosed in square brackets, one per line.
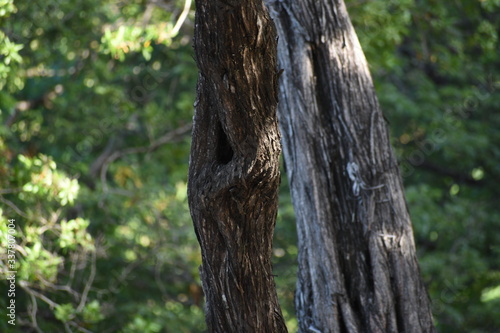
[67, 329]
[72, 271]
[53, 286]
[11, 190]
[13, 206]
[34, 310]
[89, 283]
[182, 18]
[47, 300]
[78, 327]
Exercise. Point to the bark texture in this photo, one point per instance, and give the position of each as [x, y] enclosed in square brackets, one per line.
[234, 170]
[358, 269]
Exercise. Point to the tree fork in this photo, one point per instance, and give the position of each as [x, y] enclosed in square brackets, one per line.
[234, 164]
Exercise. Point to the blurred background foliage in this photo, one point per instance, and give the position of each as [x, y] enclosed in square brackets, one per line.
[95, 114]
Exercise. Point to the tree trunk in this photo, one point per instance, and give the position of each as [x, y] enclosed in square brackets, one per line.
[358, 269]
[234, 164]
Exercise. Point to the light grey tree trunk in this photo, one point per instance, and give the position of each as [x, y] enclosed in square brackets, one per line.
[234, 164]
[358, 269]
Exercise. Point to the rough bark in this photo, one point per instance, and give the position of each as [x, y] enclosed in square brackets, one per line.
[358, 269]
[234, 170]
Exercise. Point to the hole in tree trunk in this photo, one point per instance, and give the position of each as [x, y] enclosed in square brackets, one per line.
[224, 152]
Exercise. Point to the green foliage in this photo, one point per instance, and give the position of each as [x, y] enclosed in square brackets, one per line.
[381, 26]
[37, 194]
[9, 52]
[104, 234]
[285, 255]
[65, 312]
[74, 233]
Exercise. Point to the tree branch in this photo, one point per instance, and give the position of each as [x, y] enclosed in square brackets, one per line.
[457, 176]
[166, 138]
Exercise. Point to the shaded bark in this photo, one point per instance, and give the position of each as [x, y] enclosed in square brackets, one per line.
[358, 269]
[234, 170]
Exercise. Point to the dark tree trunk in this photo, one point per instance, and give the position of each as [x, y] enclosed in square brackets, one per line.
[358, 270]
[234, 171]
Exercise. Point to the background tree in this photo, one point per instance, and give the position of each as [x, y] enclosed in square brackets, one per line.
[358, 269]
[234, 165]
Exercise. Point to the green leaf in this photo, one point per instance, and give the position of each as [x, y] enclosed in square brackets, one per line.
[65, 312]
